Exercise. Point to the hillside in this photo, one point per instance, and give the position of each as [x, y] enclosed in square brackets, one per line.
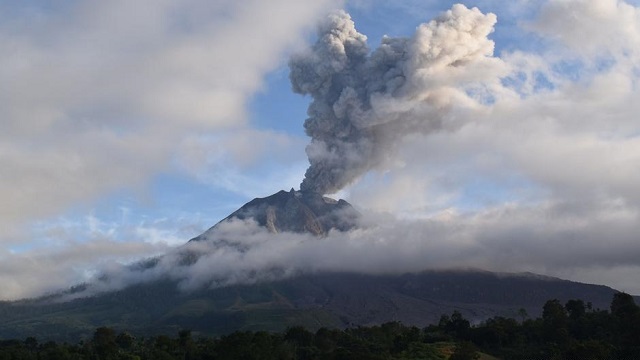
[331, 300]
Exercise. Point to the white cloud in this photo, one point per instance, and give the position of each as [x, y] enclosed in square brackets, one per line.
[551, 239]
[58, 266]
[576, 137]
[98, 96]
[593, 28]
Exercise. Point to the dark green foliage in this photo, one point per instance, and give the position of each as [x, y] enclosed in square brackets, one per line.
[104, 343]
[570, 331]
[455, 326]
[626, 324]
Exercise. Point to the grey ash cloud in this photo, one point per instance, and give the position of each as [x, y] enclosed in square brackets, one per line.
[365, 102]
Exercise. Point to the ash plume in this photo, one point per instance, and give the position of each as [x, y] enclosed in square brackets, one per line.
[365, 102]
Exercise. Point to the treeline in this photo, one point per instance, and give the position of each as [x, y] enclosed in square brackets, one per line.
[565, 331]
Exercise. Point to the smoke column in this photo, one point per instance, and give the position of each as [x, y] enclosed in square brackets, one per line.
[365, 102]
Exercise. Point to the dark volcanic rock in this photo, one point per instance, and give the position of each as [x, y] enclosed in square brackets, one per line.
[295, 211]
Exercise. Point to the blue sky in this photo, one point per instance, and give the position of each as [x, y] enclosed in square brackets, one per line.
[130, 128]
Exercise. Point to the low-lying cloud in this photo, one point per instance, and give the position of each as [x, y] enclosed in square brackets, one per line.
[550, 239]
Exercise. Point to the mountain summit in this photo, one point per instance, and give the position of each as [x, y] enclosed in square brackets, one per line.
[296, 211]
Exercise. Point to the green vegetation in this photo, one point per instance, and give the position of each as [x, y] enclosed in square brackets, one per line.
[565, 331]
[332, 300]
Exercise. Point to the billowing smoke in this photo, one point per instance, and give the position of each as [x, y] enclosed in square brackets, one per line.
[365, 102]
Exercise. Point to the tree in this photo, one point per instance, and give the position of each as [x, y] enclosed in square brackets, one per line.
[104, 343]
[623, 306]
[626, 320]
[578, 321]
[455, 325]
[555, 324]
[576, 309]
[186, 344]
[125, 340]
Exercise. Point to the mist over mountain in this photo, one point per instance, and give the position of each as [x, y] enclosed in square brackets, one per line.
[260, 268]
[293, 233]
[252, 244]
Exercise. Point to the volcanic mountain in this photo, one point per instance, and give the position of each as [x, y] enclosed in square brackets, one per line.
[295, 211]
[314, 300]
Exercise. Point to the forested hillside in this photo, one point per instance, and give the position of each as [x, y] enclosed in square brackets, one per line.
[573, 330]
[331, 300]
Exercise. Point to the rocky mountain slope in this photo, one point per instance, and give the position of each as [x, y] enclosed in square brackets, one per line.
[296, 211]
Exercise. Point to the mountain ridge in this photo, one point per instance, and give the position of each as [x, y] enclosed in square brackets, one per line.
[295, 211]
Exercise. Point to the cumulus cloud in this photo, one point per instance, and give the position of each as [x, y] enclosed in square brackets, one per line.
[611, 26]
[100, 96]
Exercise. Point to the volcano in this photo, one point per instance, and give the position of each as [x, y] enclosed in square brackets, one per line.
[295, 211]
[333, 299]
